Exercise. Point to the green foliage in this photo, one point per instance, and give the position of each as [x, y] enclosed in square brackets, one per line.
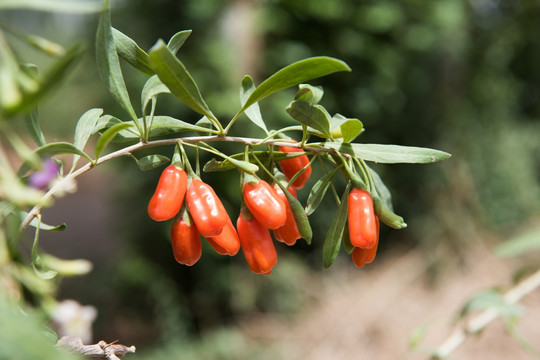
[522, 244]
[332, 242]
[390, 154]
[16, 326]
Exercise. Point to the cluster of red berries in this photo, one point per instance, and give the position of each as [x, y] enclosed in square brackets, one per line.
[264, 208]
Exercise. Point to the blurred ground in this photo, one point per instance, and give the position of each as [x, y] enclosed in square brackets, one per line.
[373, 313]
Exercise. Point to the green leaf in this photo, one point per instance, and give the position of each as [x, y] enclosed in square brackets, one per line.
[206, 124]
[152, 161]
[345, 128]
[31, 121]
[62, 6]
[128, 50]
[299, 214]
[310, 94]
[332, 242]
[84, 129]
[63, 267]
[263, 156]
[519, 245]
[347, 241]
[253, 112]
[243, 165]
[21, 326]
[108, 136]
[43, 226]
[161, 125]
[494, 300]
[152, 88]
[105, 122]
[294, 74]
[43, 84]
[388, 216]
[314, 116]
[39, 268]
[300, 217]
[382, 191]
[175, 76]
[51, 150]
[177, 40]
[319, 190]
[389, 154]
[109, 64]
[45, 45]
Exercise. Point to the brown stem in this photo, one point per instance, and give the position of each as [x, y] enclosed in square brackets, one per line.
[143, 145]
[480, 321]
[101, 350]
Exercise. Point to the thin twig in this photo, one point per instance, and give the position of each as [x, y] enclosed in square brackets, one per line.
[101, 350]
[127, 151]
[480, 321]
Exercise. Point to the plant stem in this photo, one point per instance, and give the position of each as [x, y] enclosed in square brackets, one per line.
[127, 151]
[483, 319]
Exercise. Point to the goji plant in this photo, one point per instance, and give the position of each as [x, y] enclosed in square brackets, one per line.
[270, 167]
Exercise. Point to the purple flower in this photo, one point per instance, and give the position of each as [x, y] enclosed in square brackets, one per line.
[40, 179]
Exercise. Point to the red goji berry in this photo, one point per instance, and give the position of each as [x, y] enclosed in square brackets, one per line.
[362, 219]
[362, 256]
[264, 203]
[207, 211]
[185, 239]
[169, 195]
[288, 233]
[257, 244]
[292, 166]
[227, 242]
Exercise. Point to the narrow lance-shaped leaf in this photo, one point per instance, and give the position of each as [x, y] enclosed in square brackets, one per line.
[51, 150]
[253, 112]
[177, 40]
[108, 136]
[152, 161]
[109, 64]
[152, 88]
[174, 75]
[299, 214]
[347, 241]
[388, 216]
[263, 156]
[319, 190]
[105, 122]
[161, 125]
[294, 74]
[45, 83]
[242, 165]
[314, 116]
[389, 154]
[31, 121]
[39, 268]
[346, 128]
[84, 129]
[332, 242]
[382, 191]
[38, 42]
[128, 50]
[36, 223]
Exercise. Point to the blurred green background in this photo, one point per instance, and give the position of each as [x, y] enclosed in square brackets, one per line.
[453, 75]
